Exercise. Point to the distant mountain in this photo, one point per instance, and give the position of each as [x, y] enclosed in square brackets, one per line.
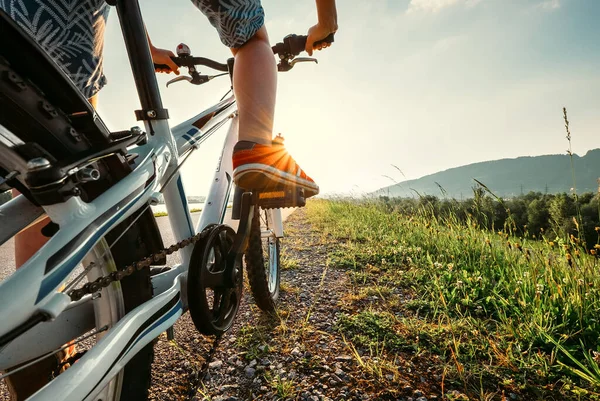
[508, 177]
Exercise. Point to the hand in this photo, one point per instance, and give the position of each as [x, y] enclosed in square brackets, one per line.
[163, 56]
[316, 33]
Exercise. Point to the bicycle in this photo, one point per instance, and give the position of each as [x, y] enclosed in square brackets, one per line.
[97, 187]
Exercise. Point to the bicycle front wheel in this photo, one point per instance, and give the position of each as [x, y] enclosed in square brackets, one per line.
[263, 260]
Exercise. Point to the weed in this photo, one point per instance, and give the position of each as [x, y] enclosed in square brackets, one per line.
[288, 262]
[284, 388]
[290, 289]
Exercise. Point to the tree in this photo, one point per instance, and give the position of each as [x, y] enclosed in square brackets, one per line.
[561, 210]
[538, 215]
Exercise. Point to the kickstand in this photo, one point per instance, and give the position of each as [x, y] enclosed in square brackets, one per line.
[170, 333]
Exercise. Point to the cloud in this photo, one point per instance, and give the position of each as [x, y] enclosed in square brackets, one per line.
[549, 5]
[434, 6]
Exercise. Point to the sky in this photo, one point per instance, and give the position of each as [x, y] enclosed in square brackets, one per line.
[422, 85]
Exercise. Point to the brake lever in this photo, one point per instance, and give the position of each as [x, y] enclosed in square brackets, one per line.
[303, 60]
[286, 64]
[178, 79]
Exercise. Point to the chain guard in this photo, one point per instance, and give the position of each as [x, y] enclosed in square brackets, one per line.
[213, 300]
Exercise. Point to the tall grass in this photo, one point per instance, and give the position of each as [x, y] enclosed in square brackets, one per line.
[515, 310]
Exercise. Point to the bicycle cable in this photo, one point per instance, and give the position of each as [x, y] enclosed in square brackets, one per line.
[197, 377]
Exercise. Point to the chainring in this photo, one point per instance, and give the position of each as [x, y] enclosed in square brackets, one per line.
[212, 302]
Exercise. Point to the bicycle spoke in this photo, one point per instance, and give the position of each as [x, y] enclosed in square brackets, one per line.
[33, 362]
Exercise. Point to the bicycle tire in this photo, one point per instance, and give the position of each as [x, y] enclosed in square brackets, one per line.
[263, 261]
[47, 129]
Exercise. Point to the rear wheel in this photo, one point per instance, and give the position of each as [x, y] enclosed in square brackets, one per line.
[44, 131]
[114, 302]
[263, 260]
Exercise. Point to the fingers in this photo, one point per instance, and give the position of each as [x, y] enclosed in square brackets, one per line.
[315, 34]
[174, 67]
[162, 57]
[322, 46]
[309, 45]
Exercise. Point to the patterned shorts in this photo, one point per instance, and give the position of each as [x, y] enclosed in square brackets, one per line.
[72, 32]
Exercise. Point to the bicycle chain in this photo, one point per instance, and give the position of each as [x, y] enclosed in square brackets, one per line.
[105, 281]
[198, 376]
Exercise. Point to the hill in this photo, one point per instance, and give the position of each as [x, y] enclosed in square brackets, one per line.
[508, 177]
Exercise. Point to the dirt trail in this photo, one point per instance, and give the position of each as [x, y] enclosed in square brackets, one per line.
[296, 355]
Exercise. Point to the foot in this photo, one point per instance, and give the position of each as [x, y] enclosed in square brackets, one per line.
[261, 167]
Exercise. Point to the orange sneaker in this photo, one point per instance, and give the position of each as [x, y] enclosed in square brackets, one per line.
[261, 167]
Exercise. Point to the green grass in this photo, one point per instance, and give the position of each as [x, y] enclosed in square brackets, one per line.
[503, 313]
[161, 214]
[288, 262]
[284, 388]
[252, 338]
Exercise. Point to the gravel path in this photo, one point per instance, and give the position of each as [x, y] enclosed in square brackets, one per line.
[295, 355]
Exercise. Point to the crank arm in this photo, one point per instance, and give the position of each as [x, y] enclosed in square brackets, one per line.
[241, 237]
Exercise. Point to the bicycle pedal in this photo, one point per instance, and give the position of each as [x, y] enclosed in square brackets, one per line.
[277, 199]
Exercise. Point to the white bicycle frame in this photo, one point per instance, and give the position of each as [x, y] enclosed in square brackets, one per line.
[36, 287]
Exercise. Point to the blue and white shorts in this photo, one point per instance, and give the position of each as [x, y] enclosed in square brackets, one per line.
[236, 20]
[72, 32]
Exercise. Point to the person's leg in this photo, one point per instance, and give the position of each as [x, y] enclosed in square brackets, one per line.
[30, 240]
[258, 164]
[255, 87]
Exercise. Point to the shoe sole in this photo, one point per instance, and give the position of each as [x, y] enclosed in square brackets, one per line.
[260, 176]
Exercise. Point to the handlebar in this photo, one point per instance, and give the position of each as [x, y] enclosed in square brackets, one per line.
[291, 46]
[189, 61]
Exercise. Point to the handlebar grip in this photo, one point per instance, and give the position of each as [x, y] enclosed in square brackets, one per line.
[188, 61]
[295, 44]
[328, 39]
[166, 67]
[298, 43]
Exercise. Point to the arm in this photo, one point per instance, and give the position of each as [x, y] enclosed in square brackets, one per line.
[327, 23]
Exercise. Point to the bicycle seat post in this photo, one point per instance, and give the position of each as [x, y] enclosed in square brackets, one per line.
[138, 50]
